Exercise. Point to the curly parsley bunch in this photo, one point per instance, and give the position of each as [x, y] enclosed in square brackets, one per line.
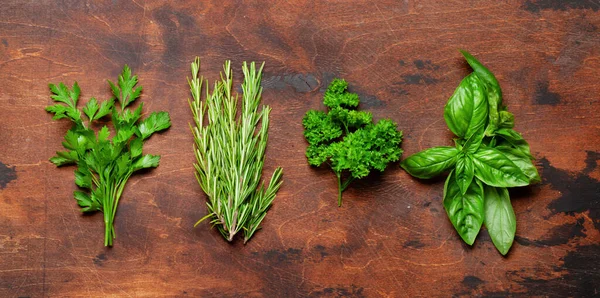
[347, 139]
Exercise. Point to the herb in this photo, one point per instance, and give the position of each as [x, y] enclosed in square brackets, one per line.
[489, 157]
[105, 164]
[347, 139]
[230, 151]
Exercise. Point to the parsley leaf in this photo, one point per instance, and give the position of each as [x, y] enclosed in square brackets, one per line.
[347, 139]
[104, 165]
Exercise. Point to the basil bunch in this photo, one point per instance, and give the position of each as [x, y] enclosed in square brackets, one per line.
[489, 156]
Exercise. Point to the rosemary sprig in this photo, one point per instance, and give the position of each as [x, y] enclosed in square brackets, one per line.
[230, 151]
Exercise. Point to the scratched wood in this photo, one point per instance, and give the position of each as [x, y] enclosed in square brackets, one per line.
[391, 238]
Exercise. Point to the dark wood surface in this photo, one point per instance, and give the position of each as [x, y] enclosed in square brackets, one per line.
[391, 238]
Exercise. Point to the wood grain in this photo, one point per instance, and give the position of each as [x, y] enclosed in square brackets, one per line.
[391, 238]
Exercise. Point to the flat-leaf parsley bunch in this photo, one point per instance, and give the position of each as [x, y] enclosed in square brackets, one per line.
[489, 156]
[347, 139]
[104, 164]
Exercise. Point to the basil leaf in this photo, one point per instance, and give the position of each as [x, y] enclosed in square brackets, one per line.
[465, 211]
[500, 218]
[472, 144]
[482, 72]
[464, 172]
[494, 93]
[522, 161]
[430, 162]
[494, 97]
[507, 120]
[467, 110]
[515, 139]
[495, 169]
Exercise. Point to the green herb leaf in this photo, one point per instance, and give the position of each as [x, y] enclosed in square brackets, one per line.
[64, 158]
[135, 148]
[500, 218]
[146, 161]
[507, 120]
[464, 210]
[488, 153]
[230, 151]
[105, 108]
[522, 161]
[494, 93]
[337, 95]
[495, 169]
[465, 171]
[153, 123]
[430, 162]
[515, 139]
[466, 112]
[62, 94]
[481, 71]
[103, 134]
[127, 83]
[83, 176]
[86, 203]
[347, 139]
[91, 108]
[104, 165]
[320, 128]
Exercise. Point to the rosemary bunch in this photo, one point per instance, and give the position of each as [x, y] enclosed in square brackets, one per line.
[230, 151]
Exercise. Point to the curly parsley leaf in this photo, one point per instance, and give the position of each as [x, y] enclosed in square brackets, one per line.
[347, 139]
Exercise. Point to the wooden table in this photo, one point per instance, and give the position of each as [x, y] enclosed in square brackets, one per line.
[391, 237]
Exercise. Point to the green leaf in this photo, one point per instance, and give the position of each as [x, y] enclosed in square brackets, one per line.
[91, 108]
[60, 111]
[522, 161]
[146, 161]
[495, 169]
[338, 96]
[466, 112]
[320, 128]
[465, 171]
[123, 165]
[507, 120]
[103, 134]
[61, 93]
[75, 91]
[83, 176]
[430, 162]
[86, 203]
[105, 108]
[135, 147]
[500, 219]
[492, 88]
[75, 140]
[115, 90]
[350, 118]
[317, 154]
[153, 123]
[127, 119]
[481, 71]
[464, 210]
[126, 85]
[64, 158]
[515, 139]
[494, 97]
[123, 135]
